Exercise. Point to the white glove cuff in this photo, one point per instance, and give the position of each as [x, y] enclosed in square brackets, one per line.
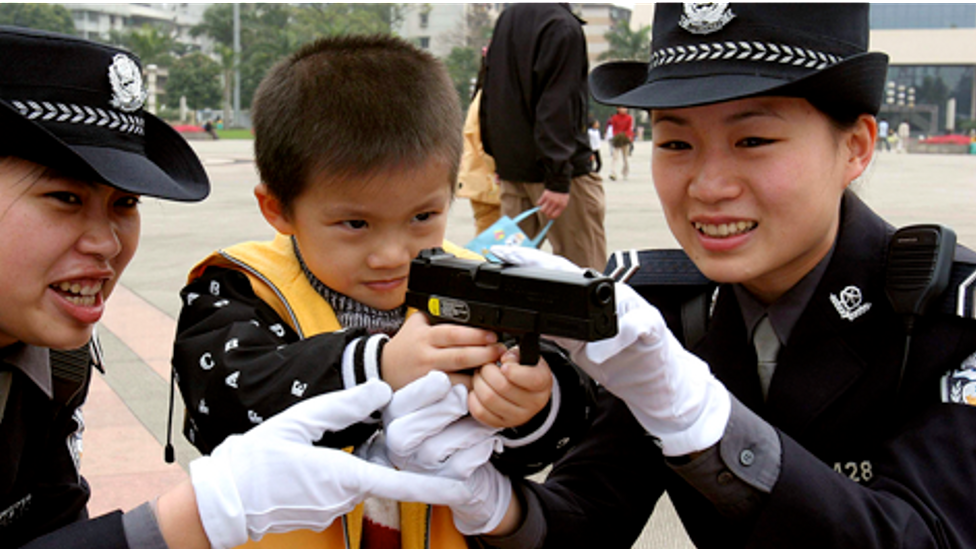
[707, 429]
[219, 504]
[505, 500]
[497, 494]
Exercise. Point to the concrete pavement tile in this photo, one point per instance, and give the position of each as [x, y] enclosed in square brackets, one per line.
[117, 447]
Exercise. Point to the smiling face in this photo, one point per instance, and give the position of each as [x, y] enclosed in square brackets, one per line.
[752, 188]
[359, 237]
[65, 243]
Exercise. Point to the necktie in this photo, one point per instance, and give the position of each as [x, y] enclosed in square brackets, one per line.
[767, 346]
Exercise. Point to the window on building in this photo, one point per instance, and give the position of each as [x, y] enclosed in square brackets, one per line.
[424, 42]
[923, 16]
[935, 85]
[424, 20]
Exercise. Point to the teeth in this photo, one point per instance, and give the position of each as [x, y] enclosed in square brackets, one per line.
[725, 229]
[87, 301]
[76, 288]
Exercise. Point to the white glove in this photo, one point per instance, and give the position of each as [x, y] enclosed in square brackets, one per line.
[271, 479]
[428, 430]
[670, 391]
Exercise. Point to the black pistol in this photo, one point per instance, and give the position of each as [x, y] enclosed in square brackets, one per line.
[518, 301]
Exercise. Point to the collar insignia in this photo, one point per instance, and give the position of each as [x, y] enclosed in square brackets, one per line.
[705, 17]
[128, 93]
[959, 387]
[850, 303]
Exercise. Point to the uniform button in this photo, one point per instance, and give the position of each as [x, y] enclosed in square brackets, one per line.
[724, 478]
[746, 457]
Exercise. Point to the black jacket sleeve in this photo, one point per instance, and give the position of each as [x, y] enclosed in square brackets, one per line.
[238, 363]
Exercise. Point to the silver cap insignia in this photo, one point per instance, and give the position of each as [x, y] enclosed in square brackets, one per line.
[705, 17]
[128, 93]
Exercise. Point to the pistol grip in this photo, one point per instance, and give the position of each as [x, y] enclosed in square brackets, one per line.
[529, 349]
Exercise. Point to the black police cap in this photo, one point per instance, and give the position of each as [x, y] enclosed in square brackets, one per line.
[704, 53]
[77, 106]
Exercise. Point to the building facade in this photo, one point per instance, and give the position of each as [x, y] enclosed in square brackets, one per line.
[932, 71]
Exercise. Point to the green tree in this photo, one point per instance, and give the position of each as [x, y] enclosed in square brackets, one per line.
[151, 44]
[49, 17]
[270, 32]
[196, 77]
[462, 65]
[316, 20]
[626, 44]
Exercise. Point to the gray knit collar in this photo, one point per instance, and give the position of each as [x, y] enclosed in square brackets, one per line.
[351, 313]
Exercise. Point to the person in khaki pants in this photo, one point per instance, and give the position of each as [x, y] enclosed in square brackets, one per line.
[533, 122]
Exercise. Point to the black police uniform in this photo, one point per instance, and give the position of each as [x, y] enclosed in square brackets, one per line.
[855, 463]
[41, 488]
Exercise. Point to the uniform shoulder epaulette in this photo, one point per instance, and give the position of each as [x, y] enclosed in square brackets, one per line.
[654, 268]
[959, 298]
[669, 280]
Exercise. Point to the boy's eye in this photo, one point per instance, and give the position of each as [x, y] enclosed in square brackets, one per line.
[355, 224]
[424, 216]
[674, 145]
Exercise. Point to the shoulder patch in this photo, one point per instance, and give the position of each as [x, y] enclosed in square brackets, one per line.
[959, 386]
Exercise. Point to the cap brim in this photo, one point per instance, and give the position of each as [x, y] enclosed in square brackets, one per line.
[857, 81]
[170, 170]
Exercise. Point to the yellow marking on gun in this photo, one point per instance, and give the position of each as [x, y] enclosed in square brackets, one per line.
[434, 306]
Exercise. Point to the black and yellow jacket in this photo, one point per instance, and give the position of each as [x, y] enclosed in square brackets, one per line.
[254, 337]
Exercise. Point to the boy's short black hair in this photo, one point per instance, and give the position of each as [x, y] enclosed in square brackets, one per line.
[353, 106]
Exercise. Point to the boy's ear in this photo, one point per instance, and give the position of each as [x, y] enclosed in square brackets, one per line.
[273, 210]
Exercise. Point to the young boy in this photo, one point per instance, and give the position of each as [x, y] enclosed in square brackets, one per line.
[70, 186]
[357, 143]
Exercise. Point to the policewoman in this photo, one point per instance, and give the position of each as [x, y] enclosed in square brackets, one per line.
[77, 151]
[800, 414]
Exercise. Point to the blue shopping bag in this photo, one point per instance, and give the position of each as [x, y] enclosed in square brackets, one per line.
[506, 231]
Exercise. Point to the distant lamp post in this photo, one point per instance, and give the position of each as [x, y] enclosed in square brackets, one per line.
[237, 64]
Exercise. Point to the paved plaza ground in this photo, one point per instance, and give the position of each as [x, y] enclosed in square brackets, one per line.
[127, 409]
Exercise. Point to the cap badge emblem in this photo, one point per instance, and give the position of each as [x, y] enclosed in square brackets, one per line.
[126, 79]
[850, 303]
[705, 17]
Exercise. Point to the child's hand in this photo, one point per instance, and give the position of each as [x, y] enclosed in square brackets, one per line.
[511, 394]
[419, 348]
